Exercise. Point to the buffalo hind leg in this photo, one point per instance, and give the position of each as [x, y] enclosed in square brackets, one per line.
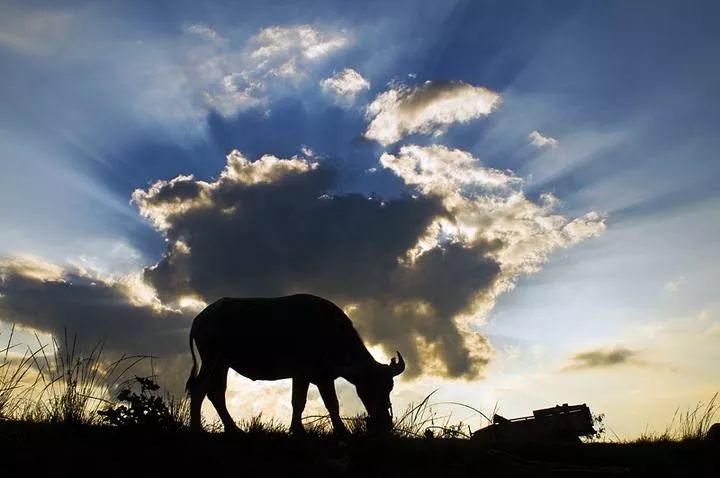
[299, 398]
[327, 392]
[216, 393]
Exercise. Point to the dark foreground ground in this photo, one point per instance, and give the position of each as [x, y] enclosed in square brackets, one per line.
[60, 451]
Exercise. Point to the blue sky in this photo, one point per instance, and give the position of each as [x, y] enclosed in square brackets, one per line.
[99, 100]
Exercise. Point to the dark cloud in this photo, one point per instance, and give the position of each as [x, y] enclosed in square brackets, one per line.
[93, 310]
[603, 358]
[421, 302]
[89, 311]
[290, 235]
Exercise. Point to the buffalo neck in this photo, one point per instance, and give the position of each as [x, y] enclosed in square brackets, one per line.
[362, 365]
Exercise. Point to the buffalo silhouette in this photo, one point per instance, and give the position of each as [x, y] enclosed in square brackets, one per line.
[303, 337]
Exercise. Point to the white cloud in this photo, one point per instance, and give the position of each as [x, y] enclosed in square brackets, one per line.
[231, 79]
[289, 42]
[541, 141]
[427, 109]
[234, 92]
[307, 151]
[345, 86]
[436, 169]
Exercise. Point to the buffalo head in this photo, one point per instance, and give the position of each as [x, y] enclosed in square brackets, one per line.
[374, 389]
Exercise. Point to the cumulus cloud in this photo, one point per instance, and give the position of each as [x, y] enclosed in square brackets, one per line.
[289, 235]
[417, 272]
[541, 141]
[486, 209]
[427, 108]
[603, 357]
[488, 205]
[165, 200]
[345, 85]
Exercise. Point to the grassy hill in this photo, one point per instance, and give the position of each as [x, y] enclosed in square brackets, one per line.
[66, 415]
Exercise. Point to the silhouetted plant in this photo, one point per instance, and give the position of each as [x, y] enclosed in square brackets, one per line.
[145, 407]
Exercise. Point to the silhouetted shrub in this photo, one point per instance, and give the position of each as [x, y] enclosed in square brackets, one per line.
[144, 408]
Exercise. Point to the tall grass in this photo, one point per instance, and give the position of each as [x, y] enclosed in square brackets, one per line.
[422, 419]
[691, 424]
[75, 383]
[60, 382]
[13, 371]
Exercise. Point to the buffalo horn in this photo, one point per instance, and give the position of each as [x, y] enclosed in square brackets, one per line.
[397, 367]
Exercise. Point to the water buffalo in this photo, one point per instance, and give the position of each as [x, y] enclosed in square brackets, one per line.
[303, 337]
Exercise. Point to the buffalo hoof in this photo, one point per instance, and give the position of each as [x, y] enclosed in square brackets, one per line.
[233, 430]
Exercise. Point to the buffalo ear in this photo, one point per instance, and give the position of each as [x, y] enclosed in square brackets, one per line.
[397, 367]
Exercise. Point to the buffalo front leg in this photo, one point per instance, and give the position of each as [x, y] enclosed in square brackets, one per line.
[327, 392]
[299, 398]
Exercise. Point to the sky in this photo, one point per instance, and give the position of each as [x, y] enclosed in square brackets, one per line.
[520, 196]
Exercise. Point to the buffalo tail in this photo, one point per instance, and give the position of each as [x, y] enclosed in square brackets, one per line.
[193, 372]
